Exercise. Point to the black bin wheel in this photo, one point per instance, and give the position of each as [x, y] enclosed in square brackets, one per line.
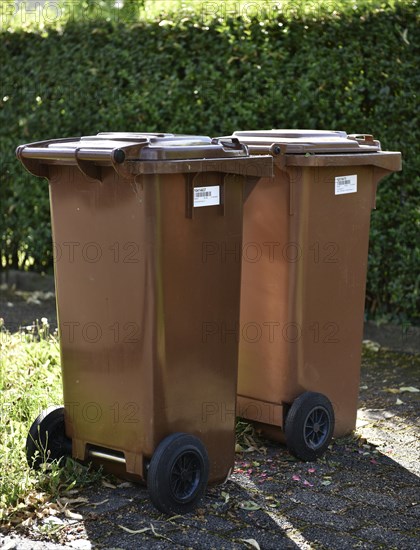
[178, 473]
[47, 439]
[309, 426]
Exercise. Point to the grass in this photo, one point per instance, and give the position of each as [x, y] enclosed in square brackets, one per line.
[30, 381]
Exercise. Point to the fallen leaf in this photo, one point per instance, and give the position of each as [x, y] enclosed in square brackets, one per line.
[251, 542]
[399, 402]
[308, 484]
[296, 477]
[108, 485]
[134, 531]
[174, 517]
[72, 515]
[158, 535]
[72, 501]
[249, 505]
[99, 503]
[125, 485]
[371, 346]
[226, 496]
[392, 390]
[410, 389]
[326, 482]
[375, 414]
[311, 470]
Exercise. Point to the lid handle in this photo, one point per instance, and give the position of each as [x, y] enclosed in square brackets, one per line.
[230, 143]
[364, 139]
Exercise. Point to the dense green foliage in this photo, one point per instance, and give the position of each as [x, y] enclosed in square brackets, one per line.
[353, 71]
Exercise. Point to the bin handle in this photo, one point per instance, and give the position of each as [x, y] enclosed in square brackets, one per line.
[36, 158]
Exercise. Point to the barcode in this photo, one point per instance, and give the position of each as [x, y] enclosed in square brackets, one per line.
[206, 196]
[345, 184]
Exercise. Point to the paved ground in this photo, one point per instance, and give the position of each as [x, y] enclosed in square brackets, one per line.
[364, 493]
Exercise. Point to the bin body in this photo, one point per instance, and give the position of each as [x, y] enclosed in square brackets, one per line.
[304, 264]
[136, 296]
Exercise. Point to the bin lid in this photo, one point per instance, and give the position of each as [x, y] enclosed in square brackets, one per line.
[309, 141]
[144, 153]
[155, 146]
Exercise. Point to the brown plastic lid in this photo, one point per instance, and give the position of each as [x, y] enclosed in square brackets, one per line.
[309, 141]
[142, 146]
[144, 153]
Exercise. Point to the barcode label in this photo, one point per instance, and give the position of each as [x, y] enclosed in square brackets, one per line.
[345, 184]
[206, 196]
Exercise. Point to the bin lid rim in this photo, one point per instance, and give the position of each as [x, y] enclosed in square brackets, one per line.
[109, 147]
[307, 141]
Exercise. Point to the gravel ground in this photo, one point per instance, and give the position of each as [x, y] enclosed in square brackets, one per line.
[364, 492]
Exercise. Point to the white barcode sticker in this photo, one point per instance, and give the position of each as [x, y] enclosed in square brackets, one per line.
[345, 184]
[206, 196]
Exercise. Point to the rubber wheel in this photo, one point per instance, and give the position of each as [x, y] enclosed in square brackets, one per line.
[178, 474]
[309, 426]
[47, 439]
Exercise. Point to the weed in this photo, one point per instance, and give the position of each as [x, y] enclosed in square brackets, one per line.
[30, 381]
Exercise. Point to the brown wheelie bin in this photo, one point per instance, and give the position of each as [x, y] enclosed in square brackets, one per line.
[131, 215]
[304, 263]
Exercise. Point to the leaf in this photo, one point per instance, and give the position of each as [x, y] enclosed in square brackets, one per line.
[296, 477]
[399, 402]
[156, 534]
[410, 389]
[108, 485]
[100, 503]
[249, 505]
[326, 482]
[63, 501]
[174, 517]
[251, 542]
[226, 496]
[125, 485]
[72, 515]
[134, 531]
[404, 36]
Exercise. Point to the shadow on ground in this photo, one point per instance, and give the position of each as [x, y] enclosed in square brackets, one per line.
[364, 493]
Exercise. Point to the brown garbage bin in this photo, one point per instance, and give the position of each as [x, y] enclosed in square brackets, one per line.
[131, 215]
[304, 263]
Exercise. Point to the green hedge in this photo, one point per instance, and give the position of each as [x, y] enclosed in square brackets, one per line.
[355, 71]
